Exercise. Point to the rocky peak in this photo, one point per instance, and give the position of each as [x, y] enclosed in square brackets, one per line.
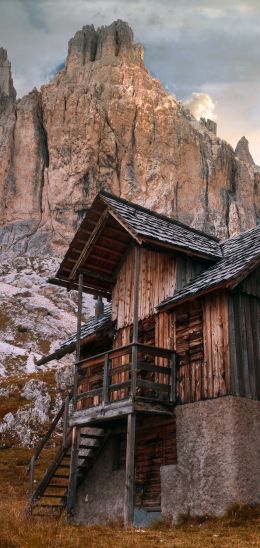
[242, 151]
[6, 82]
[104, 44]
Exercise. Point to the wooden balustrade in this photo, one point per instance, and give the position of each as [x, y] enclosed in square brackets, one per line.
[134, 370]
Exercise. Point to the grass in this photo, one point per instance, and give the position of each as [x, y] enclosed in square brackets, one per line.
[240, 528]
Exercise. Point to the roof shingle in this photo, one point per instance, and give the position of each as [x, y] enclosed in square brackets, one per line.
[241, 254]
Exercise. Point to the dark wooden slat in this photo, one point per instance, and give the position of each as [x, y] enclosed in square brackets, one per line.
[90, 394]
[154, 368]
[153, 385]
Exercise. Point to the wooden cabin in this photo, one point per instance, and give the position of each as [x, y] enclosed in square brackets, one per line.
[165, 402]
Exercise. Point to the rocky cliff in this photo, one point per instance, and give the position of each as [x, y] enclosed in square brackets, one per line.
[105, 122]
[102, 122]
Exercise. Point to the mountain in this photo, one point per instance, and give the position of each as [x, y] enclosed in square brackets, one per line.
[103, 122]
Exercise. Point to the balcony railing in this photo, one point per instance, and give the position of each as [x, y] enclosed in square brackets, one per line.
[135, 370]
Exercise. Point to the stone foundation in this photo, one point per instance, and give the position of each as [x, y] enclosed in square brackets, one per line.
[100, 497]
[218, 448]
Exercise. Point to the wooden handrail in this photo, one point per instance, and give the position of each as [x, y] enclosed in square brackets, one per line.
[50, 431]
[122, 350]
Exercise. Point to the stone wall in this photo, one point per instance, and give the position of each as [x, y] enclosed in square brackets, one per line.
[218, 449]
[100, 498]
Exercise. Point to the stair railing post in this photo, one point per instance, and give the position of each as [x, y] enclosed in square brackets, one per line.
[173, 377]
[31, 482]
[106, 380]
[65, 421]
[79, 318]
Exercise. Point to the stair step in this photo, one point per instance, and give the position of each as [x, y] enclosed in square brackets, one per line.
[64, 465]
[92, 436]
[61, 506]
[52, 485]
[88, 446]
[52, 496]
[63, 476]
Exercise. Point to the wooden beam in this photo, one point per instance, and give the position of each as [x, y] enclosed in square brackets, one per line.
[136, 293]
[91, 240]
[130, 471]
[109, 279]
[73, 472]
[128, 229]
[108, 249]
[79, 320]
[135, 320]
[86, 288]
[104, 259]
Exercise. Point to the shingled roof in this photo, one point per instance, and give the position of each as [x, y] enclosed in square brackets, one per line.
[109, 228]
[153, 225]
[93, 326]
[241, 254]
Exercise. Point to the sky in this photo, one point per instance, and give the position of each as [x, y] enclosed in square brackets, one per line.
[207, 53]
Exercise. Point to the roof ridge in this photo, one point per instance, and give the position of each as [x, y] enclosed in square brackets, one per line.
[159, 215]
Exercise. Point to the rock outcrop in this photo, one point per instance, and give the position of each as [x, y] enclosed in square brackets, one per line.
[105, 122]
[242, 151]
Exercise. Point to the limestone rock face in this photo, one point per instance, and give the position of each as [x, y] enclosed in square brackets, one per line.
[104, 122]
[242, 151]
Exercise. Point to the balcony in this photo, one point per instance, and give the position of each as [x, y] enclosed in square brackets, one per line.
[132, 378]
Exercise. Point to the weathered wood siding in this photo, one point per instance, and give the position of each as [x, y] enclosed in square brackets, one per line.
[155, 447]
[198, 332]
[161, 274]
[217, 377]
[244, 310]
[157, 281]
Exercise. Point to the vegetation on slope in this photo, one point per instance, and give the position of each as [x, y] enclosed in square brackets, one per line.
[239, 529]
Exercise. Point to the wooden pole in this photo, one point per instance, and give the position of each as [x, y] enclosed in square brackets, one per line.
[79, 317]
[173, 377]
[106, 380]
[65, 421]
[135, 320]
[32, 468]
[130, 471]
[73, 471]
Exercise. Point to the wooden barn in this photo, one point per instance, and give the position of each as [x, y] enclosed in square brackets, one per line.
[163, 417]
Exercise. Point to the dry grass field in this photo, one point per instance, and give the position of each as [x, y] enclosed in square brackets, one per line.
[240, 528]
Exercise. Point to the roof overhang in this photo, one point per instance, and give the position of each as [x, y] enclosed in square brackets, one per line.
[229, 285]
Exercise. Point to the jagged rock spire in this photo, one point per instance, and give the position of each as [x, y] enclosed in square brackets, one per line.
[103, 44]
[242, 151]
[6, 82]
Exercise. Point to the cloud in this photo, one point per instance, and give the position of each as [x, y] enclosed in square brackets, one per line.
[201, 105]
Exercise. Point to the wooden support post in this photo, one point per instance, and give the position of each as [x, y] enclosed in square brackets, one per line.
[135, 320]
[173, 377]
[130, 471]
[80, 292]
[73, 471]
[106, 380]
[65, 421]
[32, 469]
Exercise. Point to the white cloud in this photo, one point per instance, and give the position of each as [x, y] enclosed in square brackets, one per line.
[201, 105]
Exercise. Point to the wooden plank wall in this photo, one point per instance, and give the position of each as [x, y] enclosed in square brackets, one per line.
[244, 312]
[198, 332]
[155, 447]
[157, 281]
[216, 345]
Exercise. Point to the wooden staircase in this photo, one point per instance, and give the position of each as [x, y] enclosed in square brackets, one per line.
[50, 496]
